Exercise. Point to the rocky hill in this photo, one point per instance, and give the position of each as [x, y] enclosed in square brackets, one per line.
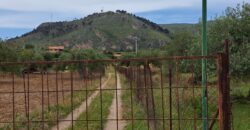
[113, 31]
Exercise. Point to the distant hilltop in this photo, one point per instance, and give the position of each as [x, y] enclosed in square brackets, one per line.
[112, 31]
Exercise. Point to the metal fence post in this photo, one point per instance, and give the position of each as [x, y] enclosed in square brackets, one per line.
[224, 92]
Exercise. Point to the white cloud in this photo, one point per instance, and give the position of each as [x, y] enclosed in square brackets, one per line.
[30, 13]
[88, 6]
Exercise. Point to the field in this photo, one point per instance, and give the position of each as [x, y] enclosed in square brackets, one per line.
[142, 101]
[54, 93]
[183, 108]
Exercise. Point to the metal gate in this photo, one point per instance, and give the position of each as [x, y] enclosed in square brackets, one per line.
[146, 93]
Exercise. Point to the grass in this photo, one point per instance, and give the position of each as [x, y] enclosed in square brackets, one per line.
[50, 115]
[241, 106]
[186, 105]
[94, 118]
[239, 88]
[241, 116]
[138, 111]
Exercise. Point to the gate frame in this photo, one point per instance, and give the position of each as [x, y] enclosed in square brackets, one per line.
[224, 104]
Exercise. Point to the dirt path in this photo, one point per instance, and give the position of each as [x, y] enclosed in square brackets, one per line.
[114, 109]
[63, 125]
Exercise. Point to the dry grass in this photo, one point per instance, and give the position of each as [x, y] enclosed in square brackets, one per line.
[35, 92]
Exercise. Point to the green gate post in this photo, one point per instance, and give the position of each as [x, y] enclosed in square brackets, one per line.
[204, 65]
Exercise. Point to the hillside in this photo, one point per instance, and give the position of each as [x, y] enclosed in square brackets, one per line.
[178, 27]
[188, 27]
[104, 31]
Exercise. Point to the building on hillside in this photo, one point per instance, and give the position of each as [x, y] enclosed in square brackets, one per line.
[117, 55]
[55, 49]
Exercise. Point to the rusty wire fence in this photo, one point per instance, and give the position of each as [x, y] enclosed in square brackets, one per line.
[149, 93]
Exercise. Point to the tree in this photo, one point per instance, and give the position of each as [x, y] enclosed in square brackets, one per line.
[28, 55]
[235, 25]
[64, 56]
[93, 67]
[184, 43]
[29, 46]
[48, 56]
[7, 55]
[180, 44]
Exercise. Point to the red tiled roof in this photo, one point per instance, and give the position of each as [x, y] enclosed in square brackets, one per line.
[55, 47]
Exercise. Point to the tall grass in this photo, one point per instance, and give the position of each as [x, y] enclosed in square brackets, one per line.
[138, 110]
[189, 104]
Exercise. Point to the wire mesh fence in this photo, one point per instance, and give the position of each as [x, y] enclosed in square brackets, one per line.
[146, 93]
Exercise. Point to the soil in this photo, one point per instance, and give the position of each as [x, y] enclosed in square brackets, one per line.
[116, 108]
[33, 92]
[63, 125]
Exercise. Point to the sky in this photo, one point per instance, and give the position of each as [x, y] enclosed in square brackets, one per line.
[20, 16]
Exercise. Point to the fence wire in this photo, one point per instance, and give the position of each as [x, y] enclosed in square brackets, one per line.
[148, 93]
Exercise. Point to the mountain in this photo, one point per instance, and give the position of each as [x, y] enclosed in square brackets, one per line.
[116, 31]
[194, 28]
[178, 27]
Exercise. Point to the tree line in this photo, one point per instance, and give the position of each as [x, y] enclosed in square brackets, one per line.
[30, 53]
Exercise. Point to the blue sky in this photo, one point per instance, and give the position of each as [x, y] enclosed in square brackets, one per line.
[20, 16]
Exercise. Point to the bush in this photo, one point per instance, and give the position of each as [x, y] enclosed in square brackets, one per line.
[141, 54]
[7, 55]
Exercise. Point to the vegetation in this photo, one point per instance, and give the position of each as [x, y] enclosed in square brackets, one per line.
[97, 112]
[113, 31]
[175, 28]
[234, 25]
[29, 53]
[117, 31]
[138, 111]
[50, 114]
[141, 54]
[7, 53]
[89, 55]
[241, 116]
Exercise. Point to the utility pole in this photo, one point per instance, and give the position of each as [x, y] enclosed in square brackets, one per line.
[50, 24]
[136, 45]
[204, 66]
